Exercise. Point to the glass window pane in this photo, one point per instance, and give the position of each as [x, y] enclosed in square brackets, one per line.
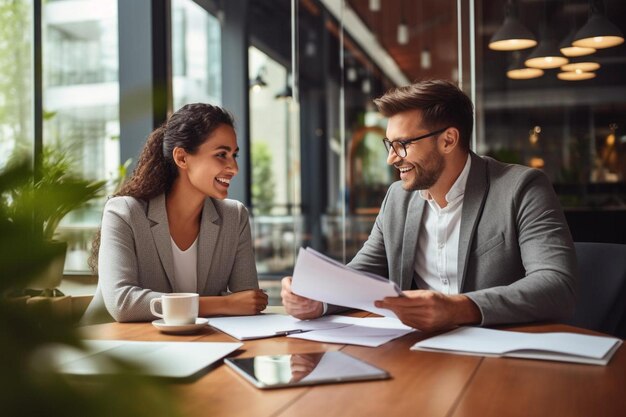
[414, 41]
[274, 156]
[573, 130]
[196, 52]
[81, 105]
[16, 85]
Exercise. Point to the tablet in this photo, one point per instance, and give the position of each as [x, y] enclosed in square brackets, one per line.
[279, 371]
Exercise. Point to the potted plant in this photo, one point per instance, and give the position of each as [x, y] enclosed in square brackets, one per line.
[28, 331]
[50, 195]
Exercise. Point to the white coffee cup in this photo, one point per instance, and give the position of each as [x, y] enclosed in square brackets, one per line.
[177, 308]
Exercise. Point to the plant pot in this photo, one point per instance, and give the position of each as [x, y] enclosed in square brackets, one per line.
[51, 276]
[61, 306]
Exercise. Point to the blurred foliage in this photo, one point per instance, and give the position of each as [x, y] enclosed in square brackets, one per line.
[56, 191]
[263, 184]
[28, 387]
[16, 75]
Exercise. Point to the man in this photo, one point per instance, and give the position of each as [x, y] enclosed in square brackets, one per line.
[483, 242]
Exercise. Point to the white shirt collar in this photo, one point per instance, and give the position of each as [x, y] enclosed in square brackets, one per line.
[458, 188]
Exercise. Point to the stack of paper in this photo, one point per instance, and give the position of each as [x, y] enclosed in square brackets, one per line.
[320, 278]
[566, 347]
[268, 325]
[372, 332]
[369, 331]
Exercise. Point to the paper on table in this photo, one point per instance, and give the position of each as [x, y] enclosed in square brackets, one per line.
[267, 325]
[370, 331]
[376, 322]
[568, 347]
[163, 359]
[320, 278]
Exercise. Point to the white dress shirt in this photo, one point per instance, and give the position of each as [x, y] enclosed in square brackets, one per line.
[438, 243]
[186, 266]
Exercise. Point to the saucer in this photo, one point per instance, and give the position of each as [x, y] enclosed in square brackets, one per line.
[180, 328]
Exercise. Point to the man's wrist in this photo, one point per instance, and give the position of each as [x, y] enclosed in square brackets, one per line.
[466, 311]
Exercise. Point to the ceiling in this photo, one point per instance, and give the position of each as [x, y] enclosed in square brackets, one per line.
[433, 26]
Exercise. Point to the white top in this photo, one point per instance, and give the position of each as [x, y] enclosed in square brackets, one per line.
[438, 244]
[186, 266]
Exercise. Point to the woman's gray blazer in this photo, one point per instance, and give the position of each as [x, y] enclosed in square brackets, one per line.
[136, 264]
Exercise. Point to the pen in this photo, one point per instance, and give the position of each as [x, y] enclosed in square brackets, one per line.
[288, 332]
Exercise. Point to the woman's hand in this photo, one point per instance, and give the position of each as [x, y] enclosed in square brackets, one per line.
[245, 303]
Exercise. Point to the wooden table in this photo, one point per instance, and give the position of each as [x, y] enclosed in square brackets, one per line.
[423, 383]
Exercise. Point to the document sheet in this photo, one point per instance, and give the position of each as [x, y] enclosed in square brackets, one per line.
[369, 331]
[162, 359]
[268, 325]
[320, 278]
[567, 347]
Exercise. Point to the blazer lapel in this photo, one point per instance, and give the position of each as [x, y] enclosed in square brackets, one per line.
[409, 243]
[476, 191]
[161, 236]
[209, 230]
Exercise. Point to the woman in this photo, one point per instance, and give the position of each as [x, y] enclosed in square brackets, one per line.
[171, 229]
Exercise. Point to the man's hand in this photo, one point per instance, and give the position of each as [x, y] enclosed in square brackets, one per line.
[430, 310]
[300, 307]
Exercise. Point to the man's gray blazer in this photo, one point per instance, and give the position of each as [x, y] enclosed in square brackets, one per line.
[516, 257]
[136, 264]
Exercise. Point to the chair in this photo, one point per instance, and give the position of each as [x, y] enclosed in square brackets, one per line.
[601, 303]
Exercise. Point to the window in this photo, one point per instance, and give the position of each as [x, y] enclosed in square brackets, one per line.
[274, 159]
[196, 51]
[16, 79]
[81, 105]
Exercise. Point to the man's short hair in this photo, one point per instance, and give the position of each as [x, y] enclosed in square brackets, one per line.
[441, 102]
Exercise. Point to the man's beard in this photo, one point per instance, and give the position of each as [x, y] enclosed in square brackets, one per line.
[426, 177]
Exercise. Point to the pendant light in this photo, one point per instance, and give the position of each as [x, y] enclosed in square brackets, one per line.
[403, 33]
[258, 82]
[570, 50]
[517, 70]
[374, 5]
[581, 66]
[524, 73]
[403, 28]
[425, 59]
[547, 54]
[599, 32]
[577, 75]
[512, 35]
[286, 93]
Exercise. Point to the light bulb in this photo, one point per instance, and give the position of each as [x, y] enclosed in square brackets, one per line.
[403, 33]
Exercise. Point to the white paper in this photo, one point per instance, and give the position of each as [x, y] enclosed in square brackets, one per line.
[320, 278]
[569, 347]
[353, 335]
[267, 325]
[369, 331]
[163, 359]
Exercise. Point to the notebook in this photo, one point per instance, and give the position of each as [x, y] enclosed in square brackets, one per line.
[566, 347]
[160, 359]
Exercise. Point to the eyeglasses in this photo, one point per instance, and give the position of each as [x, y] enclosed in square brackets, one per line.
[399, 146]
